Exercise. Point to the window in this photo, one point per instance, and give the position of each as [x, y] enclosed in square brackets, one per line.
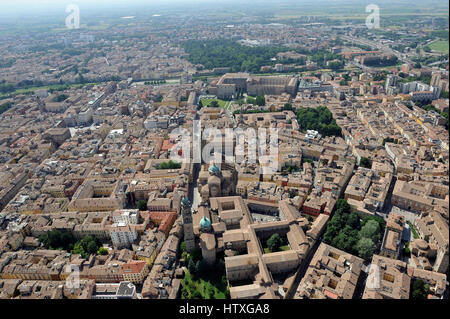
[388, 277]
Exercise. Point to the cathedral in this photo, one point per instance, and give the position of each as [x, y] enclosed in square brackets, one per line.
[216, 181]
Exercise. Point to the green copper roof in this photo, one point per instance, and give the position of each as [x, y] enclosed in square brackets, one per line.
[205, 222]
[185, 201]
[214, 168]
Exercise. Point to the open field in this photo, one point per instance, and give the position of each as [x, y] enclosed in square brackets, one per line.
[440, 46]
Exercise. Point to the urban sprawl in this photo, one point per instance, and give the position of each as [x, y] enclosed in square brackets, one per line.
[93, 205]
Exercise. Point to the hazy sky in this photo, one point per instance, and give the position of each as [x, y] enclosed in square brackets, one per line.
[48, 7]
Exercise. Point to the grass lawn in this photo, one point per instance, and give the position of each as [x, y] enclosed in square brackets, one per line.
[206, 102]
[413, 230]
[207, 287]
[440, 46]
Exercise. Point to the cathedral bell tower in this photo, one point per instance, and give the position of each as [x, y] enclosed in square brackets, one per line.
[188, 228]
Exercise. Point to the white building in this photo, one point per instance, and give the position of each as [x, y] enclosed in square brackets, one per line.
[123, 235]
[126, 216]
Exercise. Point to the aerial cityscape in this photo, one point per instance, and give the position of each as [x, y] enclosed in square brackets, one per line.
[224, 149]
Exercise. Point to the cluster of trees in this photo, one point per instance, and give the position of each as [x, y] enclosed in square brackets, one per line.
[335, 65]
[58, 239]
[382, 61]
[429, 59]
[214, 103]
[445, 115]
[443, 34]
[430, 107]
[87, 246]
[291, 168]
[7, 63]
[321, 57]
[70, 69]
[169, 165]
[319, 119]
[287, 107]
[7, 87]
[274, 243]
[142, 205]
[347, 232]
[203, 281]
[64, 240]
[5, 107]
[259, 100]
[61, 97]
[154, 82]
[365, 162]
[419, 289]
[407, 250]
[380, 76]
[240, 94]
[226, 53]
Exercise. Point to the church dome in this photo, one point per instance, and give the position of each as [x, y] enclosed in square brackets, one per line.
[214, 169]
[185, 201]
[205, 222]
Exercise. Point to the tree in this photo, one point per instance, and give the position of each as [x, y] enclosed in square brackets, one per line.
[407, 250]
[343, 205]
[214, 103]
[191, 266]
[78, 249]
[61, 97]
[58, 239]
[183, 246]
[92, 247]
[169, 165]
[319, 119]
[346, 239]
[287, 107]
[197, 268]
[365, 162]
[365, 248]
[260, 100]
[274, 242]
[142, 205]
[378, 219]
[353, 220]
[251, 100]
[371, 230]
[203, 268]
[196, 295]
[419, 289]
[102, 251]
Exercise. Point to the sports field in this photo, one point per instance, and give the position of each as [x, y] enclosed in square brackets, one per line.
[440, 46]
